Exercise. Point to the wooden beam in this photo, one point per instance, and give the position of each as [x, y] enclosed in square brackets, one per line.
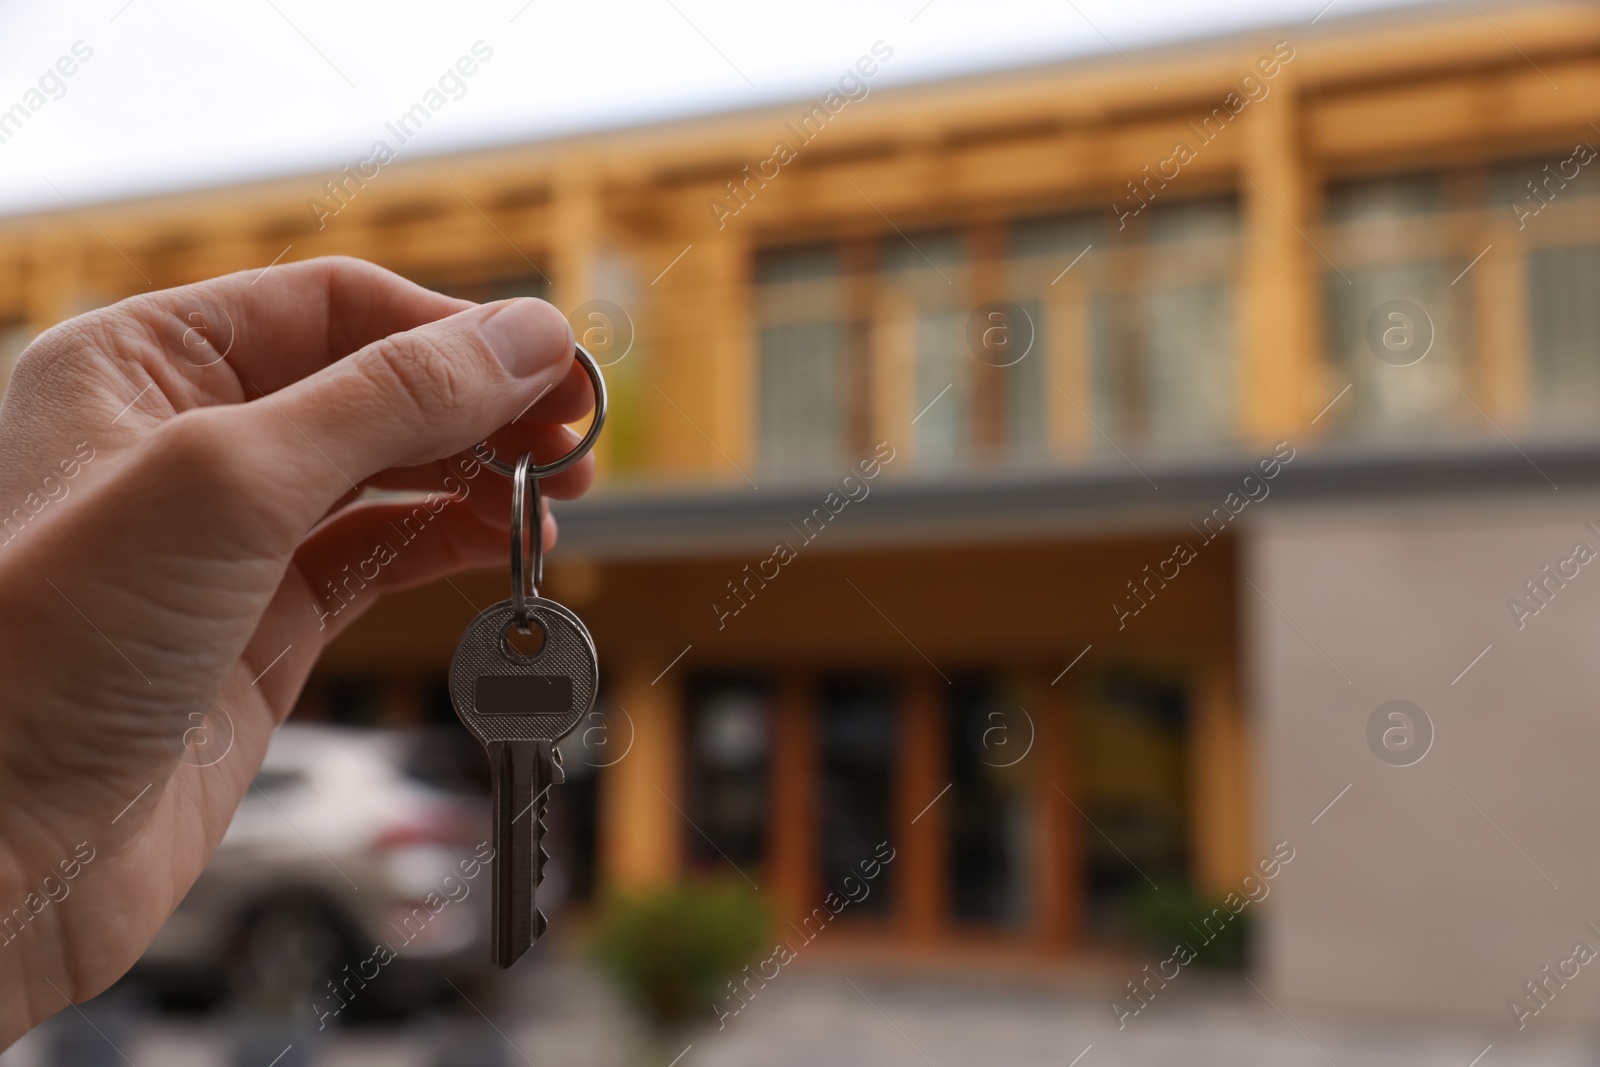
[1220, 776]
[641, 832]
[1058, 839]
[794, 797]
[922, 838]
[1281, 271]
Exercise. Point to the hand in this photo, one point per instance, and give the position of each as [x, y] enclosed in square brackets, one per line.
[180, 496]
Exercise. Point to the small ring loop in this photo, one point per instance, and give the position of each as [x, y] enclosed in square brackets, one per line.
[525, 541]
[546, 470]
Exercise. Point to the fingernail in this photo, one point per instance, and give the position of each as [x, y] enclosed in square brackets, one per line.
[527, 336]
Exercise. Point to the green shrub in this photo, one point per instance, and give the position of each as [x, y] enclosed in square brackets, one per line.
[1177, 913]
[671, 951]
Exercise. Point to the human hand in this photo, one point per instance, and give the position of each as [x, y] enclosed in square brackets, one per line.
[179, 483]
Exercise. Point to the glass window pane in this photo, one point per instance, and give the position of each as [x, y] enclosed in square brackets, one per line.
[1134, 788]
[1384, 198]
[1163, 329]
[1190, 357]
[930, 269]
[1053, 265]
[1389, 400]
[1564, 328]
[728, 730]
[1523, 188]
[801, 351]
[1024, 428]
[989, 810]
[1389, 236]
[858, 741]
[942, 429]
[800, 400]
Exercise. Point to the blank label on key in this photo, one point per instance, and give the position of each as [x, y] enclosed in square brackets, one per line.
[523, 694]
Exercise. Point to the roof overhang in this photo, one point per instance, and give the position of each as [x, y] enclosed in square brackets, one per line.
[1099, 499]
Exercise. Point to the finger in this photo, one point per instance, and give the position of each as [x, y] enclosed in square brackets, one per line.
[386, 547]
[270, 328]
[490, 498]
[111, 375]
[546, 443]
[569, 401]
[406, 400]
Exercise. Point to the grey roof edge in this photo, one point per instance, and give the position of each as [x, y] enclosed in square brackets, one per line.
[1104, 498]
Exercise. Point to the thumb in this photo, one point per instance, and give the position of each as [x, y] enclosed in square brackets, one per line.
[408, 399]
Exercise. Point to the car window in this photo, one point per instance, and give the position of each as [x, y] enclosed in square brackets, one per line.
[275, 780]
[448, 759]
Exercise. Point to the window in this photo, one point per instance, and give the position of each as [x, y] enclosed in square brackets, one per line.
[989, 806]
[1054, 267]
[1564, 332]
[1141, 326]
[800, 373]
[925, 274]
[1133, 790]
[858, 742]
[1187, 306]
[728, 724]
[1391, 238]
[1555, 205]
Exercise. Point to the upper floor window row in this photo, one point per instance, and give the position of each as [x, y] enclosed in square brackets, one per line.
[1103, 335]
[1130, 339]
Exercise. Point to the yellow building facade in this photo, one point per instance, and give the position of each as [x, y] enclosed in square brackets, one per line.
[858, 570]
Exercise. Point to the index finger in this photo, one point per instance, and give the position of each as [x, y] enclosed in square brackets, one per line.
[272, 328]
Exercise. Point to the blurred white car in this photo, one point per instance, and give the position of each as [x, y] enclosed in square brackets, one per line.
[354, 875]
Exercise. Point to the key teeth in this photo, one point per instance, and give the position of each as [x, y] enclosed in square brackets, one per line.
[540, 924]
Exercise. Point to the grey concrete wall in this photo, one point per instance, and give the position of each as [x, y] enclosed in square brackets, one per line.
[1447, 884]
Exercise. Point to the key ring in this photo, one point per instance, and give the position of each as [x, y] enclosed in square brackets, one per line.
[526, 484]
[545, 470]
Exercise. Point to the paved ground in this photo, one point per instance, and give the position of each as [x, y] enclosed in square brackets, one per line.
[560, 1014]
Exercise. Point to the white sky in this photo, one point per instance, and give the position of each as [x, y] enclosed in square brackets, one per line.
[188, 93]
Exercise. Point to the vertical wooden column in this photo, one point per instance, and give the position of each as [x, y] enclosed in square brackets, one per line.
[725, 370]
[922, 865]
[641, 834]
[1280, 271]
[894, 374]
[574, 231]
[575, 237]
[859, 263]
[702, 381]
[1219, 770]
[794, 815]
[1058, 841]
[1501, 301]
[986, 245]
[1065, 341]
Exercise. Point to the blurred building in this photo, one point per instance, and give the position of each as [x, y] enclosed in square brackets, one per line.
[1034, 471]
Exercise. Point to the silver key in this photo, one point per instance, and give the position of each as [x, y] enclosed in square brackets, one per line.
[519, 707]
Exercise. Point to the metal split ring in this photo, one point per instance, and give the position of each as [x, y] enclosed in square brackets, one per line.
[546, 470]
[527, 538]
[527, 520]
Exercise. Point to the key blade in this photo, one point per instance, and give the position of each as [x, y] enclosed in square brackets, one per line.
[522, 774]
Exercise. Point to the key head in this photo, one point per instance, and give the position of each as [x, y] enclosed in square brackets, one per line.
[503, 695]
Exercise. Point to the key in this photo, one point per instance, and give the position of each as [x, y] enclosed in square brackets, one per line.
[521, 699]
[519, 707]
